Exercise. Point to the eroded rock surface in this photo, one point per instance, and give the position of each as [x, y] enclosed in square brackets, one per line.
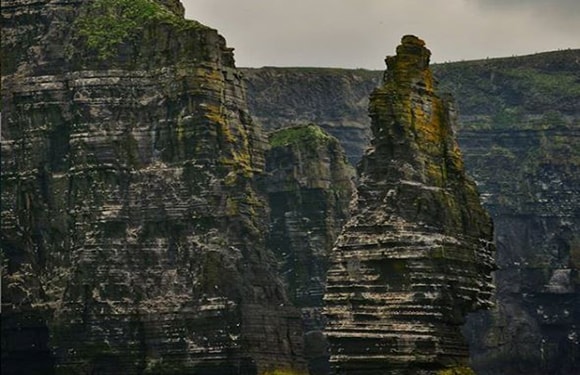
[531, 181]
[132, 233]
[334, 99]
[519, 121]
[309, 185]
[416, 257]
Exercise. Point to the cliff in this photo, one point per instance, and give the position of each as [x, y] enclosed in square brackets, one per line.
[503, 90]
[309, 185]
[529, 174]
[416, 256]
[133, 236]
[334, 99]
[518, 129]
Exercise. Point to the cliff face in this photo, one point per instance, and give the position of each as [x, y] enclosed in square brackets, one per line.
[132, 233]
[416, 256]
[335, 99]
[309, 186]
[530, 178]
[520, 135]
[518, 129]
[502, 90]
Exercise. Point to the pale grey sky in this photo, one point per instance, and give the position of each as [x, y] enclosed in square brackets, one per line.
[359, 33]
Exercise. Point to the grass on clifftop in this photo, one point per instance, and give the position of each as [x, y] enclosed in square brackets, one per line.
[531, 84]
[301, 134]
[107, 23]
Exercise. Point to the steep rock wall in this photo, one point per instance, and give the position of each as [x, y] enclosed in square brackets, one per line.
[501, 90]
[530, 178]
[309, 185]
[334, 99]
[518, 128]
[416, 256]
[132, 233]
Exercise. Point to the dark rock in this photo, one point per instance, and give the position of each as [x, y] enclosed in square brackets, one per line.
[334, 99]
[309, 186]
[518, 129]
[133, 236]
[416, 256]
[530, 180]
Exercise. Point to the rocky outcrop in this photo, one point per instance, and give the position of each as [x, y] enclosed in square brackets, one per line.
[132, 233]
[518, 129]
[504, 90]
[309, 185]
[416, 256]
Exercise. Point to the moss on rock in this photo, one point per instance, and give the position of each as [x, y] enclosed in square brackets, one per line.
[463, 370]
[300, 134]
[107, 23]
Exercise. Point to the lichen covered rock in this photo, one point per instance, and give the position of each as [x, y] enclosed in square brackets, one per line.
[416, 256]
[519, 122]
[132, 230]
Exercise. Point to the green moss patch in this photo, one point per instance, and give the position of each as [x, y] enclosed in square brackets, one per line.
[108, 23]
[462, 370]
[300, 135]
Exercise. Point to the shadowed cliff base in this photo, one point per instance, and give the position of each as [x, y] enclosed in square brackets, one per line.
[309, 185]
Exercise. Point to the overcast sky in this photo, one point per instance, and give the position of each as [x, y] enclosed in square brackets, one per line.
[359, 33]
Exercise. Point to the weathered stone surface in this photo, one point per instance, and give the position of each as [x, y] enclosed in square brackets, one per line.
[334, 99]
[174, 6]
[132, 232]
[519, 121]
[531, 182]
[309, 185]
[416, 256]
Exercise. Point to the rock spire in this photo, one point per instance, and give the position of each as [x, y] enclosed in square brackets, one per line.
[416, 256]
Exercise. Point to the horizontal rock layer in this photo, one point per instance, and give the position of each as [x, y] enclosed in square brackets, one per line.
[530, 180]
[309, 185]
[518, 130]
[132, 229]
[416, 256]
[334, 99]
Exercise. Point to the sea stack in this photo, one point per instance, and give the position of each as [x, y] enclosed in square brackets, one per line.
[417, 255]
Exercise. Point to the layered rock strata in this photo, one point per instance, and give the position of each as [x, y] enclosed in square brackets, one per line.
[519, 121]
[416, 256]
[309, 185]
[334, 99]
[519, 127]
[132, 233]
[531, 184]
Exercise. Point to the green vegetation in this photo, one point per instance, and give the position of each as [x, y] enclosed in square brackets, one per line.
[457, 371]
[550, 83]
[299, 135]
[531, 84]
[324, 71]
[507, 117]
[107, 23]
[282, 372]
